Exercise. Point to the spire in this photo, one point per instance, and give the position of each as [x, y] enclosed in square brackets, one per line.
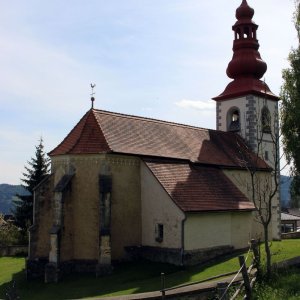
[246, 67]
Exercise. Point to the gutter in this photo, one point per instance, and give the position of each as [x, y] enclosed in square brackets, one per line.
[182, 241]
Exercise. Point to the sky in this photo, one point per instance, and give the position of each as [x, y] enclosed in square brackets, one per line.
[163, 59]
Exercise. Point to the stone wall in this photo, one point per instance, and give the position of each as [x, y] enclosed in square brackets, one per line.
[290, 235]
[13, 250]
[36, 268]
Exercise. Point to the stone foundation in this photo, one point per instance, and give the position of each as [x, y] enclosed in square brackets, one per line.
[52, 272]
[35, 268]
[175, 256]
[195, 257]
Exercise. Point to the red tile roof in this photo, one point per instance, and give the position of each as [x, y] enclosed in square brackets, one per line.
[198, 188]
[104, 132]
[85, 137]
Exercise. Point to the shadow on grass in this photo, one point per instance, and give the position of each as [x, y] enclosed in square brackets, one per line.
[127, 278]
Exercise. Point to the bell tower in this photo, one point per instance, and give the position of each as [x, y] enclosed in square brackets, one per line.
[247, 105]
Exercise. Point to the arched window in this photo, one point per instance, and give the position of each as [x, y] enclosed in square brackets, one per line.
[265, 120]
[238, 33]
[246, 32]
[233, 119]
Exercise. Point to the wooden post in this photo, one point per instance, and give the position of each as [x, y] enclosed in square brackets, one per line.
[254, 248]
[245, 277]
[163, 293]
[221, 290]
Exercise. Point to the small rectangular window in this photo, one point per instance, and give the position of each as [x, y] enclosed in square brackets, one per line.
[159, 232]
[266, 155]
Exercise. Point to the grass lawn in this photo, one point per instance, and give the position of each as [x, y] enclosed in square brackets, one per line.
[127, 278]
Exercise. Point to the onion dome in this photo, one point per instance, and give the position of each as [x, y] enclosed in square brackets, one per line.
[244, 11]
[246, 67]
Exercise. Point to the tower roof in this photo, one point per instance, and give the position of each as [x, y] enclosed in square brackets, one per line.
[246, 67]
[244, 11]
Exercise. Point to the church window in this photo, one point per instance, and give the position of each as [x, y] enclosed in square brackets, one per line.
[234, 120]
[266, 120]
[105, 183]
[159, 232]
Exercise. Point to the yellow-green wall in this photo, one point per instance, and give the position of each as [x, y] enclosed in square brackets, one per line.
[207, 230]
[80, 239]
[263, 182]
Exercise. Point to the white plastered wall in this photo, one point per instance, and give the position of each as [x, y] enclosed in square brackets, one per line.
[224, 106]
[250, 108]
[159, 208]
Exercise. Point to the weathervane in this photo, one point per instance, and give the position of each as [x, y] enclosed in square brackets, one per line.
[92, 94]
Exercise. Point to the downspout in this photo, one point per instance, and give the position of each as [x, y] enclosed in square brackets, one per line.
[182, 241]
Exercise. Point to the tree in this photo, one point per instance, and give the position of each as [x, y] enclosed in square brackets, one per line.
[36, 171]
[261, 181]
[295, 192]
[290, 112]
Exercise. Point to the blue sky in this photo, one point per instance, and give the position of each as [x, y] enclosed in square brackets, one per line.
[163, 59]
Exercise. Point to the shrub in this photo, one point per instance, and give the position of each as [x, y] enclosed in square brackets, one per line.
[10, 234]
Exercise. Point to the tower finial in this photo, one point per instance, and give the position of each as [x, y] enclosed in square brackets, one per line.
[92, 94]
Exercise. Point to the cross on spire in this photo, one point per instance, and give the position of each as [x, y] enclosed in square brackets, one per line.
[92, 94]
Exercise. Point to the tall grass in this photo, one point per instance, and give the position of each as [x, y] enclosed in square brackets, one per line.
[283, 286]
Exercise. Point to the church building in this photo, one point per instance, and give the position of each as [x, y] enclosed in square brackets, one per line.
[124, 187]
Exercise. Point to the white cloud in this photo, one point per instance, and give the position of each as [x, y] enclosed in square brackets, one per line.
[197, 104]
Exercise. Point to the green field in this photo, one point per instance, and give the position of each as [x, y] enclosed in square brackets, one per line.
[127, 278]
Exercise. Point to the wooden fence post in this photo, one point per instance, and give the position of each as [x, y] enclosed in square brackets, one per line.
[163, 293]
[245, 277]
[221, 290]
[254, 248]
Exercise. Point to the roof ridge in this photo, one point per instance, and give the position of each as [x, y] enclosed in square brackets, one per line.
[101, 129]
[148, 119]
[78, 139]
[83, 118]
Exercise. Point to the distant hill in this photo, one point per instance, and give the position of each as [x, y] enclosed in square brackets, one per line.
[7, 193]
[285, 195]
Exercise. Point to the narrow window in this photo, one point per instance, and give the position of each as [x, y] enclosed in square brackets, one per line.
[266, 155]
[265, 120]
[234, 120]
[159, 232]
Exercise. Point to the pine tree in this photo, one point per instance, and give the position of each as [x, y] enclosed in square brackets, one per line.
[35, 172]
[290, 112]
